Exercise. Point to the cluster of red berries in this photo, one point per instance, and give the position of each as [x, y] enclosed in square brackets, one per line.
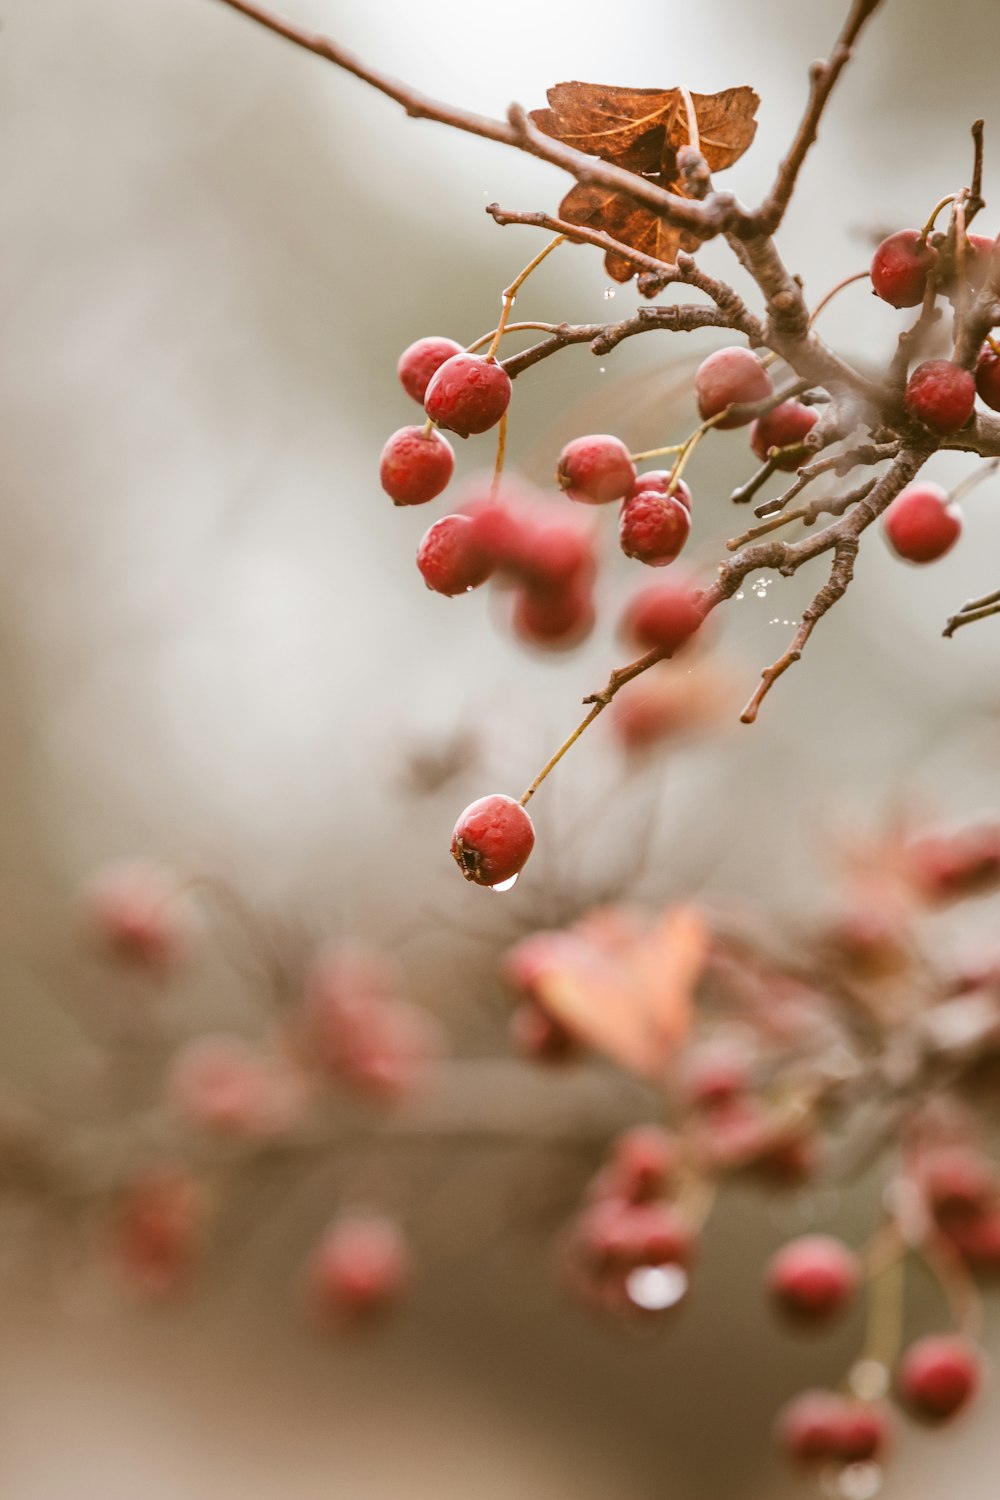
[923, 522]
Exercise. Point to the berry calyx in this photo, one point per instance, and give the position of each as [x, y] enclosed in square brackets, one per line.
[813, 1278]
[663, 616]
[938, 1376]
[940, 394]
[451, 558]
[468, 394]
[730, 377]
[784, 427]
[988, 376]
[492, 840]
[595, 469]
[419, 361]
[416, 466]
[922, 523]
[660, 480]
[900, 267]
[654, 527]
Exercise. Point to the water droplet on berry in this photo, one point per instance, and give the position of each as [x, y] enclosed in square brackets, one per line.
[857, 1482]
[655, 1288]
[868, 1379]
[506, 885]
[609, 292]
[740, 594]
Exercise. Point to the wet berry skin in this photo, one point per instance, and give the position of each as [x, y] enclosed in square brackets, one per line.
[988, 377]
[941, 395]
[784, 427]
[654, 527]
[420, 361]
[595, 469]
[730, 377]
[922, 523]
[938, 1376]
[415, 466]
[451, 558]
[660, 481]
[900, 267]
[492, 840]
[468, 394]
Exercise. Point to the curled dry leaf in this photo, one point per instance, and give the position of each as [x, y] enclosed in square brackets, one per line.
[631, 1000]
[642, 130]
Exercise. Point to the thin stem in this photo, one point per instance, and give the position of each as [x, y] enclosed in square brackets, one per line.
[932, 219]
[510, 292]
[688, 448]
[554, 760]
[487, 338]
[976, 201]
[638, 458]
[501, 454]
[847, 281]
[694, 137]
[885, 1268]
[971, 480]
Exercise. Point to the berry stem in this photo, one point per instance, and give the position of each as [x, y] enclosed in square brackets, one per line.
[933, 216]
[657, 452]
[694, 137]
[510, 292]
[885, 1267]
[501, 453]
[834, 290]
[971, 480]
[487, 338]
[688, 448]
[958, 1286]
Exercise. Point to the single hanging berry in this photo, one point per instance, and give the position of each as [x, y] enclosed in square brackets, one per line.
[420, 361]
[416, 466]
[938, 1376]
[451, 557]
[900, 267]
[784, 427]
[941, 395]
[492, 840]
[922, 523]
[730, 377]
[595, 469]
[653, 527]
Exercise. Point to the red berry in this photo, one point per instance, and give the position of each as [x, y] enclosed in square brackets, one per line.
[660, 480]
[555, 619]
[225, 1085]
[940, 394]
[654, 527]
[730, 377]
[958, 1182]
[451, 558]
[492, 840]
[979, 253]
[158, 1228]
[595, 469]
[664, 615]
[643, 1161]
[862, 1432]
[415, 466]
[938, 1376]
[468, 394]
[360, 1267]
[134, 911]
[813, 1278]
[419, 361]
[821, 1427]
[539, 1037]
[716, 1074]
[900, 268]
[988, 376]
[922, 523]
[620, 1235]
[784, 427]
[978, 1241]
[559, 553]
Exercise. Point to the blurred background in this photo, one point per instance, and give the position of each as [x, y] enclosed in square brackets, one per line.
[215, 650]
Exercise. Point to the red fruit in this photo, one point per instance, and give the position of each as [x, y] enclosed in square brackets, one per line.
[643, 1161]
[660, 480]
[595, 469]
[813, 1278]
[415, 466]
[451, 557]
[621, 1236]
[715, 1074]
[952, 867]
[978, 259]
[559, 553]
[784, 427]
[730, 377]
[360, 1267]
[664, 615]
[468, 394]
[539, 1037]
[988, 376]
[555, 619]
[938, 1376]
[226, 1085]
[941, 395]
[419, 361]
[821, 1427]
[158, 1224]
[654, 527]
[492, 840]
[134, 912]
[900, 268]
[978, 1241]
[958, 1182]
[922, 523]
